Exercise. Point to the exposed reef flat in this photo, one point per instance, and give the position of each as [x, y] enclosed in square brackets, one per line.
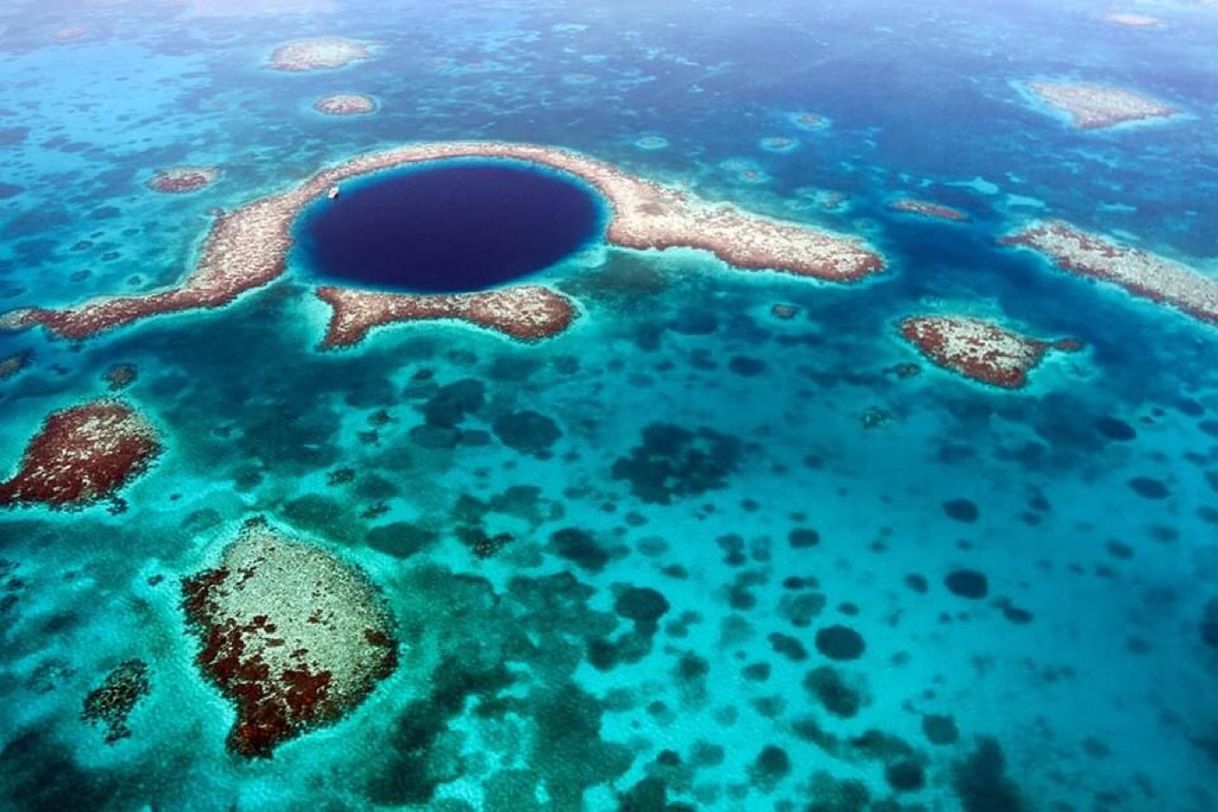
[81, 455]
[1132, 20]
[247, 248]
[523, 312]
[293, 635]
[319, 53]
[179, 179]
[979, 349]
[1094, 107]
[925, 208]
[1138, 272]
[345, 104]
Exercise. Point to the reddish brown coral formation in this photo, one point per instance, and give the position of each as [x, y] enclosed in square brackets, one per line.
[524, 312]
[112, 702]
[979, 349]
[179, 179]
[320, 53]
[81, 455]
[1096, 106]
[927, 209]
[345, 104]
[1138, 272]
[247, 248]
[294, 636]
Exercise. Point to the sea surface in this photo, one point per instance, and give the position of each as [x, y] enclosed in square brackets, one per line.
[1033, 626]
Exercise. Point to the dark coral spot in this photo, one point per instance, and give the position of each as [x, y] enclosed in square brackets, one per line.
[834, 693]
[642, 605]
[840, 643]
[1148, 488]
[905, 776]
[770, 767]
[1115, 429]
[802, 537]
[917, 583]
[788, 647]
[1209, 623]
[745, 366]
[449, 405]
[527, 431]
[673, 462]
[967, 583]
[756, 672]
[400, 539]
[580, 548]
[962, 510]
[940, 729]
[981, 783]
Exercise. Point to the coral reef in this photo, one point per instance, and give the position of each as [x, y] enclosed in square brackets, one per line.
[81, 455]
[523, 312]
[293, 635]
[1137, 271]
[979, 349]
[1094, 107]
[319, 53]
[345, 104]
[247, 248]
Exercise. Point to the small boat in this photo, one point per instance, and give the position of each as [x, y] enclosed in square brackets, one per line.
[332, 192]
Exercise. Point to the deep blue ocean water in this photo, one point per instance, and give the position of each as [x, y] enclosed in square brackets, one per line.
[1083, 678]
[463, 227]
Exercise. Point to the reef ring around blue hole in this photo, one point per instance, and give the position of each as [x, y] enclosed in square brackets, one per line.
[449, 226]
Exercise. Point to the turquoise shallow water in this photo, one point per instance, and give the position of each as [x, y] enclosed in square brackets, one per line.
[769, 478]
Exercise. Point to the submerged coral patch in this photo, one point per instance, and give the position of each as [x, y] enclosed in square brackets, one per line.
[178, 179]
[111, 703]
[839, 642]
[674, 462]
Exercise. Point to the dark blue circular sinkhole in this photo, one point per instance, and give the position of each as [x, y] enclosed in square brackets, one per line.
[453, 227]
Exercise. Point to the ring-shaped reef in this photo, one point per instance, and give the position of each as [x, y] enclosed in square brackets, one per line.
[248, 248]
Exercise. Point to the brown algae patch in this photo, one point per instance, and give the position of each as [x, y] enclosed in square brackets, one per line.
[293, 635]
